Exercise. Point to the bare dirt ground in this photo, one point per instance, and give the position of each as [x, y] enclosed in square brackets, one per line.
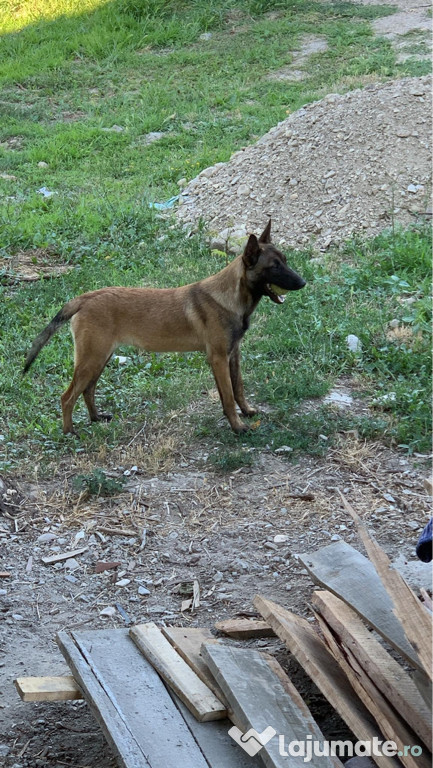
[236, 534]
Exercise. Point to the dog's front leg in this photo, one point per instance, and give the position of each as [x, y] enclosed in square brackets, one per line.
[238, 384]
[219, 362]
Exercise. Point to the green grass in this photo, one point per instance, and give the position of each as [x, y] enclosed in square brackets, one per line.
[68, 74]
[143, 66]
[292, 353]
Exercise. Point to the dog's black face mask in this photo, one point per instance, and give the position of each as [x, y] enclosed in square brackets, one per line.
[265, 262]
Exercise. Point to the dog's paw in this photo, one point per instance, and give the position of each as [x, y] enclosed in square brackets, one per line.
[240, 428]
[103, 417]
[71, 432]
[249, 411]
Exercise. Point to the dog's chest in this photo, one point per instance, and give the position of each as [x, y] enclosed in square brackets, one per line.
[239, 328]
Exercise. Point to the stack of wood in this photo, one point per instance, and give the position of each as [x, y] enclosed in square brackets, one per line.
[212, 691]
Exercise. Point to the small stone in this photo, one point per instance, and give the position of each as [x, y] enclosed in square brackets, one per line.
[17, 617]
[71, 564]
[123, 582]
[109, 611]
[4, 750]
[389, 497]
[353, 343]
[243, 189]
[149, 138]
[280, 538]
[42, 164]
[413, 525]
[143, 591]
[283, 449]
[45, 537]
[70, 578]
[205, 36]
[338, 398]
[335, 537]
[394, 323]
[45, 192]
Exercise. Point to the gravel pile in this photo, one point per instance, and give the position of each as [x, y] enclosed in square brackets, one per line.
[346, 164]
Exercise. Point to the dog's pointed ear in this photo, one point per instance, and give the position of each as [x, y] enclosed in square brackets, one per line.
[251, 252]
[265, 237]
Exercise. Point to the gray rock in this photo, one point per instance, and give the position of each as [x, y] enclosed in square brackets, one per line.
[413, 525]
[353, 343]
[46, 537]
[123, 582]
[341, 399]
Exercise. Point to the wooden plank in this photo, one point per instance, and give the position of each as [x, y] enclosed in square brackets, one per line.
[51, 559]
[220, 750]
[388, 676]
[203, 704]
[48, 688]
[424, 686]
[243, 629]
[407, 608]
[343, 570]
[318, 662]
[187, 641]
[129, 700]
[389, 722]
[260, 702]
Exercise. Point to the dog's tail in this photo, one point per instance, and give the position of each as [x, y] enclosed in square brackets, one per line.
[65, 314]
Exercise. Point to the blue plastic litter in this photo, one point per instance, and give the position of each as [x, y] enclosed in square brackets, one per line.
[164, 206]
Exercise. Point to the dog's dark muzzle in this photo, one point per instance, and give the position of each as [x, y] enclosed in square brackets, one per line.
[282, 283]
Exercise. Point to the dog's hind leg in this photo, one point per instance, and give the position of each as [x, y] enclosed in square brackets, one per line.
[219, 362]
[238, 384]
[89, 397]
[88, 369]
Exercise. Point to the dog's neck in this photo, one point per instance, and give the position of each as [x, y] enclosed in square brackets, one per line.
[233, 293]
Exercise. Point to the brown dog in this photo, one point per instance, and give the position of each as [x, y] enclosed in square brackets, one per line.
[211, 315]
